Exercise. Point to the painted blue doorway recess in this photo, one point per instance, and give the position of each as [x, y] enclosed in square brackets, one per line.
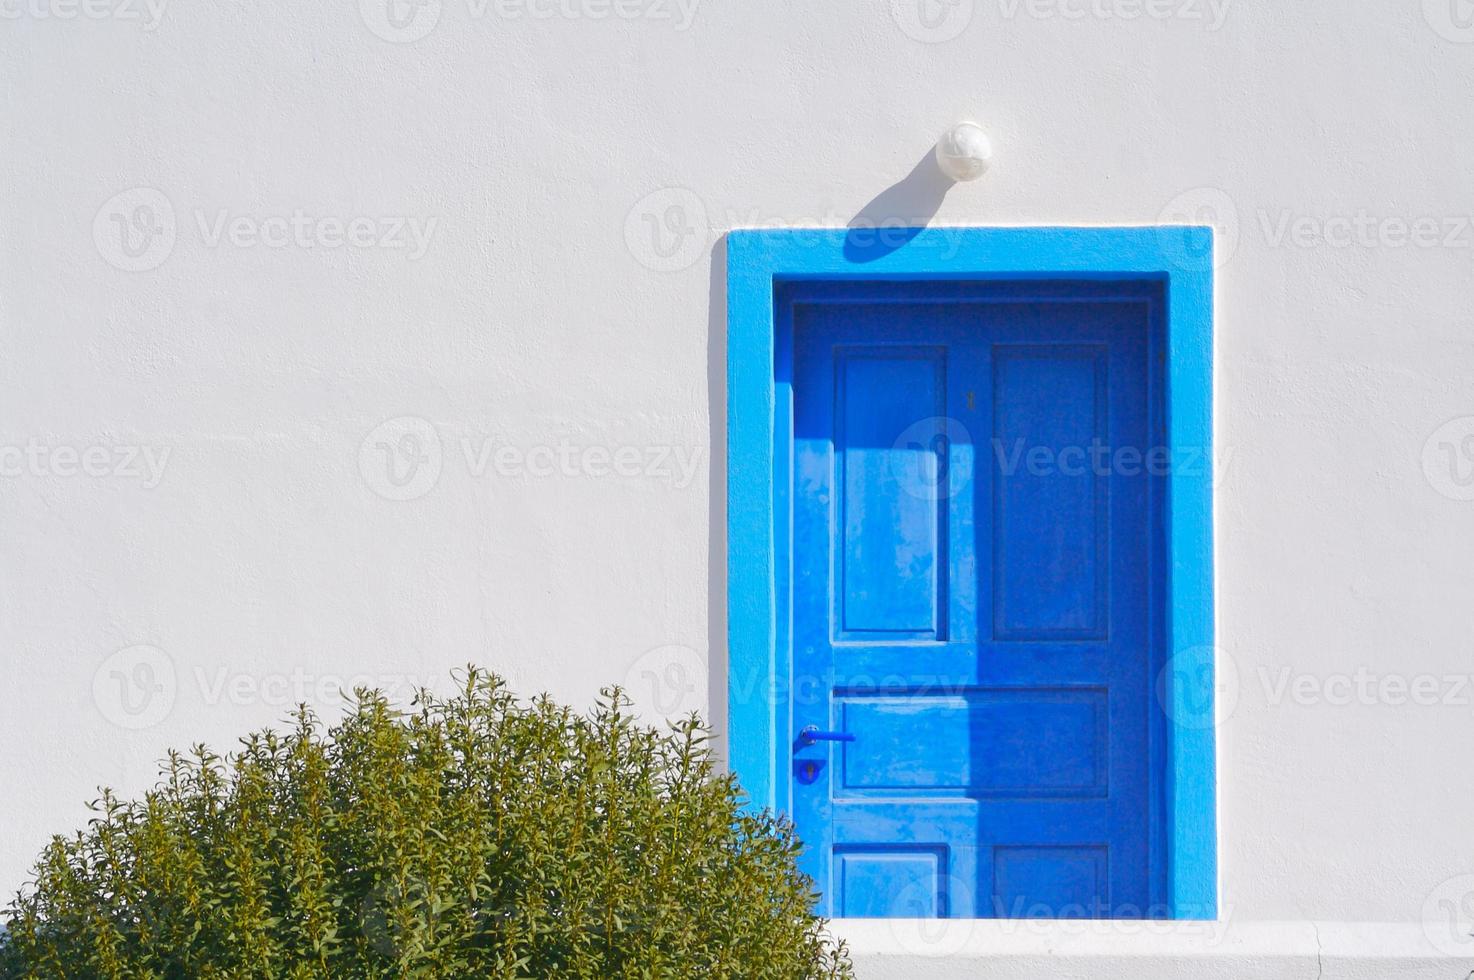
[960, 620]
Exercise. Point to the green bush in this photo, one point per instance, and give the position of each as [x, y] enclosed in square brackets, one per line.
[476, 836]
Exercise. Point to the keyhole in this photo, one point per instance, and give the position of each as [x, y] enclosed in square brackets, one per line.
[972, 401]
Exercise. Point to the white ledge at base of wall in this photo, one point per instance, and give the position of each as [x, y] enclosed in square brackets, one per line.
[905, 949]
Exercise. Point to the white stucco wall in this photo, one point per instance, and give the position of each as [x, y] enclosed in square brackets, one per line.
[194, 506]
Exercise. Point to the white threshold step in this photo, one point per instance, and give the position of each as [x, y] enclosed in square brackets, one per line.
[917, 949]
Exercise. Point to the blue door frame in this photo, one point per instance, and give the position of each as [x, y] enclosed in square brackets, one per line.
[759, 516]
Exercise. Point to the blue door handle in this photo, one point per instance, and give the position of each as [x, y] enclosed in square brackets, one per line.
[812, 733]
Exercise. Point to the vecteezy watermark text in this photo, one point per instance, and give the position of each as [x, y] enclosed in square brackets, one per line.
[138, 687]
[676, 465]
[1366, 687]
[671, 229]
[402, 459]
[144, 464]
[1288, 228]
[1102, 459]
[136, 230]
[302, 230]
[287, 689]
[147, 12]
[1366, 230]
[1210, 13]
[407, 21]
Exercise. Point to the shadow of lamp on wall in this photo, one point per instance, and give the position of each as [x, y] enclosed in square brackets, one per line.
[895, 215]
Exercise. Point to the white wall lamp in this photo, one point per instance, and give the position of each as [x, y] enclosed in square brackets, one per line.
[964, 151]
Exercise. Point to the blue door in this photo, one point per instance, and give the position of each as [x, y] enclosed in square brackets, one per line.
[973, 628]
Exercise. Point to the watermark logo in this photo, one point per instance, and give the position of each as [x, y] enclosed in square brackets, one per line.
[1448, 916]
[932, 21]
[1448, 459]
[932, 916]
[668, 681]
[135, 687]
[401, 458]
[926, 459]
[397, 913]
[135, 231]
[1199, 687]
[1190, 250]
[667, 230]
[1452, 20]
[400, 21]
